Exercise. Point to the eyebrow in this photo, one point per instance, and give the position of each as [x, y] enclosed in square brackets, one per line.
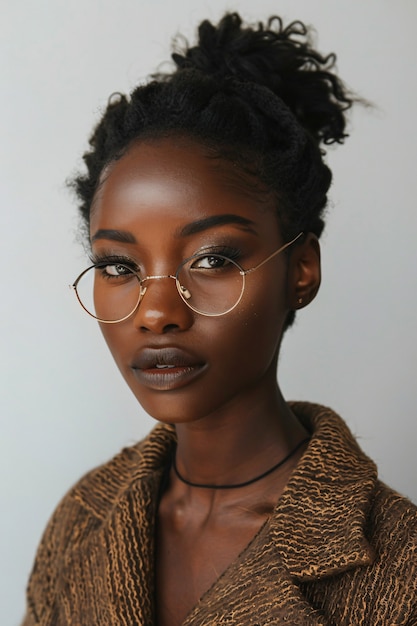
[215, 220]
[114, 235]
[189, 229]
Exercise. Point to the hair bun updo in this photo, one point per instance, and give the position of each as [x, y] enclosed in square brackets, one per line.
[279, 58]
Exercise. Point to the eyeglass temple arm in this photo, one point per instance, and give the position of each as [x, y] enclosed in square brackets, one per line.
[286, 245]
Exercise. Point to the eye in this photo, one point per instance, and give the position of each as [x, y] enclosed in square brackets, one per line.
[211, 262]
[116, 270]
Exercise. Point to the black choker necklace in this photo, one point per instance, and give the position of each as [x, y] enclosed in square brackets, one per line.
[238, 485]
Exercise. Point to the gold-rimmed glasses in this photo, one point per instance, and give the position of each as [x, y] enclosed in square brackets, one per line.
[210, 284]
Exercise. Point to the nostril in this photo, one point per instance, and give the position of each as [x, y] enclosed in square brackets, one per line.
[170, 327]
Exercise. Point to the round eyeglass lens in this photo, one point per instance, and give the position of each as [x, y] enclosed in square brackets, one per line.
[110, 293]
[210, 284]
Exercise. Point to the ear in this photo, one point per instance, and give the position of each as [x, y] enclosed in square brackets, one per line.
[304, 272]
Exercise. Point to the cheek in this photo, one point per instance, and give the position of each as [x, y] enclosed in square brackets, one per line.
[258, 338]
[248, 340]
[262, 316]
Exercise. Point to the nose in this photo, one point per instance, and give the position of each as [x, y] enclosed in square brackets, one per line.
[161, 309]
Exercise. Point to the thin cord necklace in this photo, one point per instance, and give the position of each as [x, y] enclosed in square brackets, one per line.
[238, 485]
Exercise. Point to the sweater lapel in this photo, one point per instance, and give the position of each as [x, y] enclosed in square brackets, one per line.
[319, 522]
[108, 577]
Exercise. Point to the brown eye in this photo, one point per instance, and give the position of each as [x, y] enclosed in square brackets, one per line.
[116, 270]
[210, 261]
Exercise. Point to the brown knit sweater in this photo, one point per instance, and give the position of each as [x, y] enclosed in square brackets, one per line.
[340, 548]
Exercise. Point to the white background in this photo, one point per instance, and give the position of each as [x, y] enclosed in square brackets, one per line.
[64, 407]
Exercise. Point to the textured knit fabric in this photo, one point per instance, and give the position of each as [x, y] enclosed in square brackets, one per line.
[340, 548]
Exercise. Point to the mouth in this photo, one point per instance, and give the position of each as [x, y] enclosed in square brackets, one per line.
[164, 369]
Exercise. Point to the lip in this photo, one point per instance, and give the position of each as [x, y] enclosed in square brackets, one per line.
[166, 368]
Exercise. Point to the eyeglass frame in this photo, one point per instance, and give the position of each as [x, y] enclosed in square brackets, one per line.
[180, 288]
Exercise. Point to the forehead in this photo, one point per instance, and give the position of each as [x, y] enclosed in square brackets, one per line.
[176, 180]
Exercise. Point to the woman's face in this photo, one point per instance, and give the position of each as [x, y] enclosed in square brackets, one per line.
[162, 202]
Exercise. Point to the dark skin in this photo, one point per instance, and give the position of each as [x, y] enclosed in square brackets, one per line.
[231, 419]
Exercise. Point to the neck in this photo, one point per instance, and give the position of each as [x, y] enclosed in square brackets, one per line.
[242, 442]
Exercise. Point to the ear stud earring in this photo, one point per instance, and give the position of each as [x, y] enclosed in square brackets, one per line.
[300, 301]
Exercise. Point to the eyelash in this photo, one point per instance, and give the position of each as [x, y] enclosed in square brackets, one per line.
[230, 253]
[111, 259]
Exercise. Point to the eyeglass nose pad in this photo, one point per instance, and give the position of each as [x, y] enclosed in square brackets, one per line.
[142, 292]
[185, 292]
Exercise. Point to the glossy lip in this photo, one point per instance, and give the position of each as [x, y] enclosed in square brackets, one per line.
[166, 368]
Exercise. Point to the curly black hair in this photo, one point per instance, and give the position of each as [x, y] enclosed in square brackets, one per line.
[258, 95]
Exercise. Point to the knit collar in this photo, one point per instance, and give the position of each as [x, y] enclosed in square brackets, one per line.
[319, 522]
[318, 526]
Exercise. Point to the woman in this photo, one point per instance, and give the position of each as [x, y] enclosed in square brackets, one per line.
[203, 205]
